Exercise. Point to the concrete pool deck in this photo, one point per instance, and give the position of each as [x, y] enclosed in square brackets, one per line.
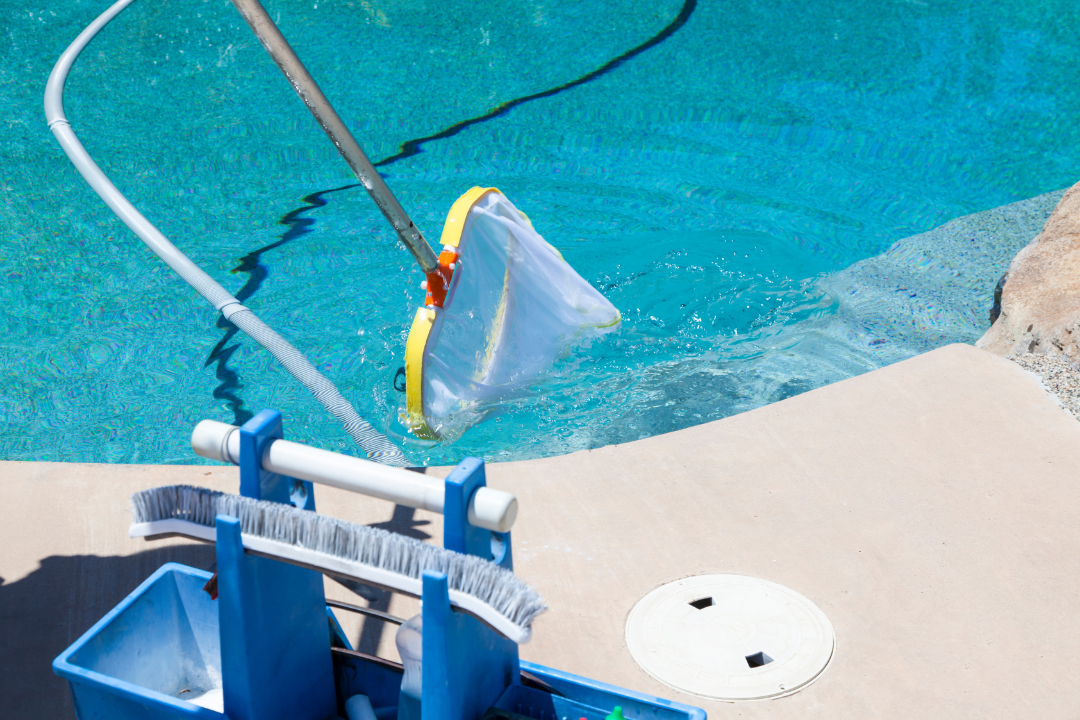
[928, 508]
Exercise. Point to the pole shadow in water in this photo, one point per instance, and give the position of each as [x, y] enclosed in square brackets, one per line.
[298, 225]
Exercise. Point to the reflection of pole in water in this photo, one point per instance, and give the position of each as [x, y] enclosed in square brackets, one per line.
[257, 273]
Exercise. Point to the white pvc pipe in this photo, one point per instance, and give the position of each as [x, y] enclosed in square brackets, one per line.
[489, 508]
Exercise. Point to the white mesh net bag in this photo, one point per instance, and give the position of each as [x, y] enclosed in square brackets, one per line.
[512, 307]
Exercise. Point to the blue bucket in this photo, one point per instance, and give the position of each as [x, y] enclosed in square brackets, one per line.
[157, 654]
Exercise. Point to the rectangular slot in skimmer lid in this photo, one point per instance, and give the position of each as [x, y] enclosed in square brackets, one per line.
[758, 659]
[702, 603]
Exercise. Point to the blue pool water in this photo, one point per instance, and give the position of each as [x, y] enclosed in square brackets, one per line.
[710, 185]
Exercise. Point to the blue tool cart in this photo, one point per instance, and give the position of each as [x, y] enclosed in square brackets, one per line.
[269, 647]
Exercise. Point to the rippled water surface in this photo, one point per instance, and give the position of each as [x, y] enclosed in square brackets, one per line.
[708, 182]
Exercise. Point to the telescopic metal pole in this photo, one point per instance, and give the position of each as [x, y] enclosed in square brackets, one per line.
[308, 90]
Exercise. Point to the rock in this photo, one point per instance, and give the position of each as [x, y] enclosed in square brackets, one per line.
[1040, 295]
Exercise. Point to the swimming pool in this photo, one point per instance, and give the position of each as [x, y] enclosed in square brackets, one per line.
[710, 185]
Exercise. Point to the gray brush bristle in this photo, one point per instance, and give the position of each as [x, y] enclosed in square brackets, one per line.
[483, 579]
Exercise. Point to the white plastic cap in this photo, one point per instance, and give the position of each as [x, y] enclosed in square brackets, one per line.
[210, 439]
[493, 509]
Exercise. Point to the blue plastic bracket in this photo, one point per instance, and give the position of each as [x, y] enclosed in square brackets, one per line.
[458, 534]
[467, 665]
[275, 648]
[261, 484]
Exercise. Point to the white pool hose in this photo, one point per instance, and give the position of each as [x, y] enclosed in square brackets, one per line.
[488, 508]
[375, 444]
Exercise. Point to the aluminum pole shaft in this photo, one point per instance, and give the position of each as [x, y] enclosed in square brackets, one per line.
[308, 90]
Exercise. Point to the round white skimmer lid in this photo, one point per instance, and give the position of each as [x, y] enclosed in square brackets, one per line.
[730, 637]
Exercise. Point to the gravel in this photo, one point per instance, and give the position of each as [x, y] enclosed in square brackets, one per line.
[1060, 377]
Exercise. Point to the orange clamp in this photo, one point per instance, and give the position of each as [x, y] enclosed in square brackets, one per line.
[438, 280]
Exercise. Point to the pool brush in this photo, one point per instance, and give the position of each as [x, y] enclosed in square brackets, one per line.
[369, 555]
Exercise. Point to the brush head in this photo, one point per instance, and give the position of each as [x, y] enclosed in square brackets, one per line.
[388, 552]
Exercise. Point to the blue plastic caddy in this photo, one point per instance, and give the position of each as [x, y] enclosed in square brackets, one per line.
[269, 647]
